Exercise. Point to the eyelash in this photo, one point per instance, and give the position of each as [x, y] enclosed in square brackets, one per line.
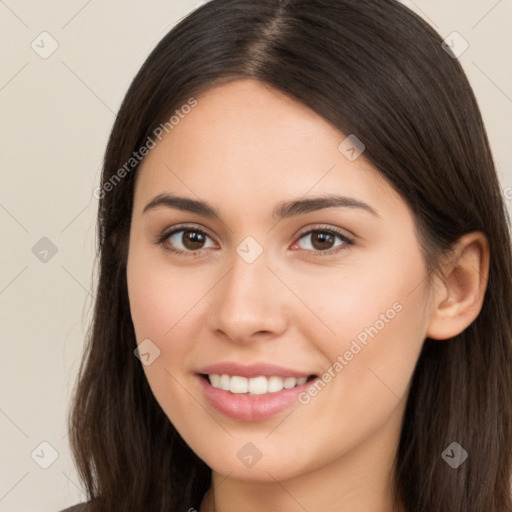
[322, 229]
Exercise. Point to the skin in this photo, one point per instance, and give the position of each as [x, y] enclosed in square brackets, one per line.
[244, 148]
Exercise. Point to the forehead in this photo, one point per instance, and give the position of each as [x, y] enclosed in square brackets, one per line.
[246, 143]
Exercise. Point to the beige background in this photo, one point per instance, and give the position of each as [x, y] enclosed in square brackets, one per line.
[56, 114]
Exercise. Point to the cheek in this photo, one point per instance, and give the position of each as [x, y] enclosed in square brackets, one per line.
[158, 307]
[160, 296]
[379, 323]
[164, 305]
[364, 297]
[379, 332]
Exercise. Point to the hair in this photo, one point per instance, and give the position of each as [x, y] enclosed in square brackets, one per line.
[374, 69]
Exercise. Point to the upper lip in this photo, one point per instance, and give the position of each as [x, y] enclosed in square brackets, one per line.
[252, 370]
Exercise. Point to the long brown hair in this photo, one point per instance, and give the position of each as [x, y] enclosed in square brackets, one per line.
[374, 69]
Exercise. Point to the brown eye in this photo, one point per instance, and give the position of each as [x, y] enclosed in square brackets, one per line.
[192, 240]
[324, 240]
[185, 240]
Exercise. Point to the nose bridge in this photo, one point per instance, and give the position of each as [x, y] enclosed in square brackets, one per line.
[247, 285]
[248, 299]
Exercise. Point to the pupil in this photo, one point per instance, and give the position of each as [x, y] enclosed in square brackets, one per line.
[193, 239]
[323, 237]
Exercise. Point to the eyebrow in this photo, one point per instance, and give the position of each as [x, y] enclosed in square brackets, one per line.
[284, 209]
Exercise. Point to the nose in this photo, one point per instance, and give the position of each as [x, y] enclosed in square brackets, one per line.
[249, 303]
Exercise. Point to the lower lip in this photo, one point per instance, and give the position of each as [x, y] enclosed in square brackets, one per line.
[251, 407]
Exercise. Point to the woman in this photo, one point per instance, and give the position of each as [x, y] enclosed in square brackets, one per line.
[305, 274]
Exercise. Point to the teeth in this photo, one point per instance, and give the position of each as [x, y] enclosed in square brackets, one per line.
[238, 385]
[254, 386]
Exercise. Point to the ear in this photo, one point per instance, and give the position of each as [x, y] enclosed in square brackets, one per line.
[459, 296]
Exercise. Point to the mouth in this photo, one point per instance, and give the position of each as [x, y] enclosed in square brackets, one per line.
[252, 399]
[260, 385]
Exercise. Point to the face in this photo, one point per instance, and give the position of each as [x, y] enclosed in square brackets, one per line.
[333, 294]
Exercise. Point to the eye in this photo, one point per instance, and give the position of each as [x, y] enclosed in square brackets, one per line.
[191, 238]
[322, 239]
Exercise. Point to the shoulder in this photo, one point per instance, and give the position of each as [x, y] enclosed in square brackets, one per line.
[80, 507]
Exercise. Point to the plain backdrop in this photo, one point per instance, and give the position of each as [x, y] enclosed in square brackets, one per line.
[65, 67]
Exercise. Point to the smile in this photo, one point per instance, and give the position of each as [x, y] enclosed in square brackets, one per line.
[254, 386]
[251, 399]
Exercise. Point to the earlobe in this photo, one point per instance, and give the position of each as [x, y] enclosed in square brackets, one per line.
[461, 293]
